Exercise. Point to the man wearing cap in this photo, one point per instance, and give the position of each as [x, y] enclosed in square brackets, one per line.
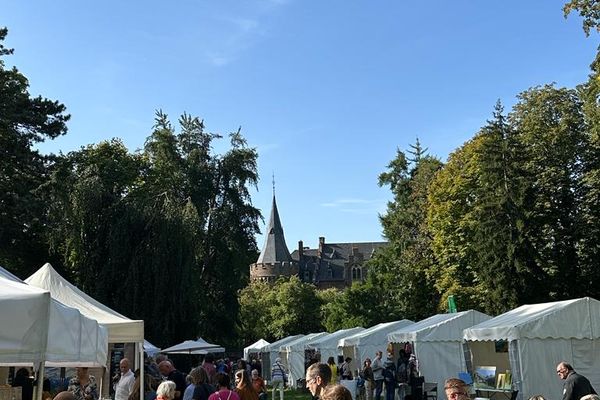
[278, 377]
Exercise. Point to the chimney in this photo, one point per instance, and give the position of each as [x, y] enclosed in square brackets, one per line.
[300, 249]
[321, 245]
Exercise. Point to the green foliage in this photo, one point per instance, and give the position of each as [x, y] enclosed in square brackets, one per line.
[24, 121]
[168, 233]
[401, 272]
[589, 10]
[288, 307]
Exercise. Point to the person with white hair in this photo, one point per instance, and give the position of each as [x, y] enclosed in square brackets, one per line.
[165, 391]
[278, 378]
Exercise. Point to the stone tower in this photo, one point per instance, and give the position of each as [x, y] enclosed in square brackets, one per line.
[275, 259]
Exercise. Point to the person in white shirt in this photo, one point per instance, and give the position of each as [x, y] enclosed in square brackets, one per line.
[124, 386]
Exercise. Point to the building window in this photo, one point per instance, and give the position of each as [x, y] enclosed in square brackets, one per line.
[330, 273]
[356, 274]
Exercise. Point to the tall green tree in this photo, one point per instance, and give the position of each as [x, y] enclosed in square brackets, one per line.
[24, 122]
[401, 271]
[551, 131]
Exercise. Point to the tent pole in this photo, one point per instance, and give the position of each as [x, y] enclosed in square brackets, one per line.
[140, 353]
[39, 388]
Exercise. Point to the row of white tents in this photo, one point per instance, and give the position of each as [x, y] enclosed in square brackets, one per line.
[539, 336]
[46, 321]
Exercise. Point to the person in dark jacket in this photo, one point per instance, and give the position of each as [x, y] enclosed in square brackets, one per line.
[576, 386]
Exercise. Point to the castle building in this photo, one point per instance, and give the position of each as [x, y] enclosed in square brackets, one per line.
[335, 265]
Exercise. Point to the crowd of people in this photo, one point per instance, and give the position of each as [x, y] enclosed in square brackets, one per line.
[225, 381]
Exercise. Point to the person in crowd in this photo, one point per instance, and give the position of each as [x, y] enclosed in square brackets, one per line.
[243, 386]
[124, 386]
[149, 392]
[278, 378]
[83, 385]
[377, 367]
[335, 392]
[192, 378]
[587, 397]
[367, 375]
[389, 378]
[203, 389]
[209, 366]
[64, 395]
[540, 397]
[346, 369]
[166, 390]
[167, 370]
[333, 368]
[25, 381]
[259, 385]
[223, 393]
[318, 377]
[455, 389]
[575, 386]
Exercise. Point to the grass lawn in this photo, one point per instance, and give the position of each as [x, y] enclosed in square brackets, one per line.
[290, 394]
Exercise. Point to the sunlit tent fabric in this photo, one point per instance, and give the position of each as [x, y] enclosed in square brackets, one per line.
[366, 343]
[120, 328]
[271, 352]
[539, 337]
[292, 355]
[72, 339]
[327, 345]
[255, 347]
[25, 313]
[193, 347]
[150, 349]
[437, 342]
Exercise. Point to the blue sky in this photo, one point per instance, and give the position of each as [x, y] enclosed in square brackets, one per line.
[326, 90]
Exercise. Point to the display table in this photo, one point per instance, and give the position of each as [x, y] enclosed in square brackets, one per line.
[491, 393]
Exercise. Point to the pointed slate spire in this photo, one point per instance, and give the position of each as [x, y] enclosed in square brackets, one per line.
[275, 250]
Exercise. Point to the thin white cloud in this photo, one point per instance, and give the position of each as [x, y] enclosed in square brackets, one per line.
[356, 205]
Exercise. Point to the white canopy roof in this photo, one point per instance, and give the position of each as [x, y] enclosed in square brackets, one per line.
[38, 328]
[365, 343]
[327, 345]
[150, 349]
[293, 354]
[439, 327]
[193, 347]
[375, 334]
[255, 347]
[120, 328]
[568, 319]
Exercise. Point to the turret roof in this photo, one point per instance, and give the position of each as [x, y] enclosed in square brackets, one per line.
[275, 250]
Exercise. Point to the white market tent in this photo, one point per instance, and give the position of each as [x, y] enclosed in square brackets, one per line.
[365, 343]
[292, 355]
[150, 349]
[255, 347]
[437, 342]
[25, 313]
[72, 339]
[327, 346]
[198, 346]
[120, 328]
[271, 352]
[539, 337]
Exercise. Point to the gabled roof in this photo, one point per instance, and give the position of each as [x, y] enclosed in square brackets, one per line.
[377, 333]
[275, 250]
[120, 328]
[568, 319]
[439, 327]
